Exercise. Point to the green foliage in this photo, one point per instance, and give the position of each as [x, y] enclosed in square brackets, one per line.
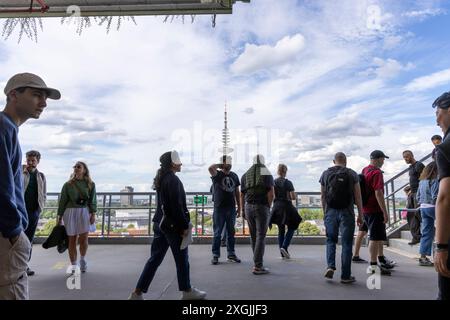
[311, 214]
[309, 229]
[130, 226]
[47, 229]
[49, 214]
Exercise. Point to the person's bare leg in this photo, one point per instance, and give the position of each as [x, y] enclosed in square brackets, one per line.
[358, 242]
[373, 249]
[73, 249]
[83, 244]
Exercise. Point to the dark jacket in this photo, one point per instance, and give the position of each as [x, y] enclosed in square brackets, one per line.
[58, 237]
[172, 198]
[283, 211]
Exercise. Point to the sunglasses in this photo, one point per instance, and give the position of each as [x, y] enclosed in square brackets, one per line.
[78, 166]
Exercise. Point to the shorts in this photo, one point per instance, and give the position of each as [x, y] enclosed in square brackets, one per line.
[376, 226]
[363, 227]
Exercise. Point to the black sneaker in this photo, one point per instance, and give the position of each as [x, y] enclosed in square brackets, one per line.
[349, 280]
[389, 261]
[383, 271]
[234, 258]
[329, 273]
[357, 259]
[215, 260]
[30, 272]
[387, 265]
[261, 270]
[413, 242]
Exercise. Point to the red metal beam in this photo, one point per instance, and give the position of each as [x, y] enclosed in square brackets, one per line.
[44, 8]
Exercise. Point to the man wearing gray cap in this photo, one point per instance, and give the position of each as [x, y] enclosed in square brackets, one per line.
[26, 96]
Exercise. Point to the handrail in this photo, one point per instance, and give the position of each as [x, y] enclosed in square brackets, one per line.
[108, 207]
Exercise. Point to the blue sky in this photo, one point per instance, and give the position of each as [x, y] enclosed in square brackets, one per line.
[309, 77]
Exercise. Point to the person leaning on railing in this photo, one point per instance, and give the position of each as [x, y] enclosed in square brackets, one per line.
[441, 258]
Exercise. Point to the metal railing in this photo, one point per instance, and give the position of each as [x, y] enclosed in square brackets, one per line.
[116, 211]
[126, 203]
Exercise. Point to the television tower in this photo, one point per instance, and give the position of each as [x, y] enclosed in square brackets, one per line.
[225, 136]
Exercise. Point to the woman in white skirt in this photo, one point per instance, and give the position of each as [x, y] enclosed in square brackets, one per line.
[76, 210]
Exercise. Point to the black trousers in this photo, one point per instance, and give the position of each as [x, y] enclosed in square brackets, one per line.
[33, 218]
[444, 283]
[414, 219]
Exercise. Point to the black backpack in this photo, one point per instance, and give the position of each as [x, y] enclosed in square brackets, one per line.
[339, 193]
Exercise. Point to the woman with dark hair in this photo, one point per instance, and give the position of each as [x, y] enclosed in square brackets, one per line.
[283, 212]
[76, 209]
[170, 226]
[426, 197]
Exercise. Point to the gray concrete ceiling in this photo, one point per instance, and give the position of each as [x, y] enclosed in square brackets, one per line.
[58, 8]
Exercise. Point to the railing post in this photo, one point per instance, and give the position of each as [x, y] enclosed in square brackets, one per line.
[103, 215]
[393, 202]
[149, 214]
[387, 202]
[109, 215]
[196, 217]
[296, 206]
[203, 217]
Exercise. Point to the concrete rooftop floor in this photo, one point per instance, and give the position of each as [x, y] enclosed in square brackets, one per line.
[114, 270]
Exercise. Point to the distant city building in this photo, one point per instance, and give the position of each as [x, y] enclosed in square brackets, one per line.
[139, 218]
[126, 200]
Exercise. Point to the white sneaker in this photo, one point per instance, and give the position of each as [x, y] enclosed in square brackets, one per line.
[83, 265]
[285, 253]
[135, 296]
[193, 294]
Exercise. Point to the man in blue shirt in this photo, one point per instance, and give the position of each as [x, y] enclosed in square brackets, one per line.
[26, 96]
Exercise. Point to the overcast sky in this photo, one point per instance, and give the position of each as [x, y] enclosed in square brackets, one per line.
[309, 78]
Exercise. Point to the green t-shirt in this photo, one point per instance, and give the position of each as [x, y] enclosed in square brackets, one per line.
[71, 193]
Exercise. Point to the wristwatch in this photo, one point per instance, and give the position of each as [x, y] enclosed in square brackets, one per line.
[441, 246]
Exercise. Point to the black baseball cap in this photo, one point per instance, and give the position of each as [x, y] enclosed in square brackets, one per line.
[443, 102]
[376, 154]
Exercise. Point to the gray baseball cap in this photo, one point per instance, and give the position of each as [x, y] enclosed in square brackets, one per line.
[29, 80]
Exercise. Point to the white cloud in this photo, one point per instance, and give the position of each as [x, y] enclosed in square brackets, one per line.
[423, 14]
[139, 86]
[429, 82]
[264, 57]
[388, 68]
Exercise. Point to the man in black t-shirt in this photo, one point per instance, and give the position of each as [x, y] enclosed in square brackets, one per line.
[226, 197]
[436, 140]
[441, 258]
[413, 217]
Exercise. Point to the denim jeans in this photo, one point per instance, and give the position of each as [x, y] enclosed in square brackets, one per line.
[223, 217]
[257, 216]
[341, 220]
[284, 238]
[160, 245]
[426, 242]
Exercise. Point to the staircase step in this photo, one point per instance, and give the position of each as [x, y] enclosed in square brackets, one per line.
[402, 244]
[406, 235]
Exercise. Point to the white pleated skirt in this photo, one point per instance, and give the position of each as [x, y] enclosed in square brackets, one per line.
[76, 221]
